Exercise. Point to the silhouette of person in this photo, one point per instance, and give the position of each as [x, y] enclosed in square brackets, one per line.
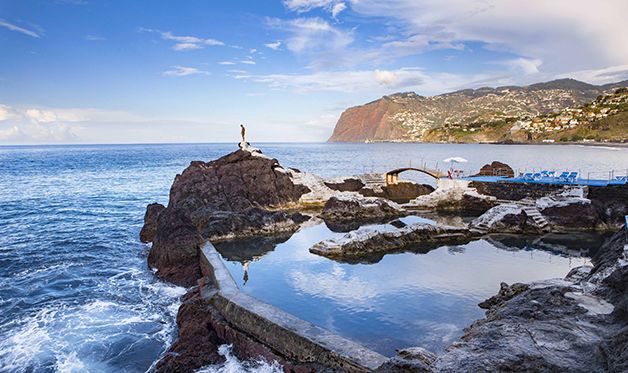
[243, 132]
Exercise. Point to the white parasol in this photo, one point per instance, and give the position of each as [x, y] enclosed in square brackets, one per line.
[455, 160]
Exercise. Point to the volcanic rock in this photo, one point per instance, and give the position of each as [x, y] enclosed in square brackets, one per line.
[175, 250]
[235, 182]
[350, 208]
[569, 210]
[365, 242]
[496, 168]
[349, 184]
[150, 222]
[455, 199]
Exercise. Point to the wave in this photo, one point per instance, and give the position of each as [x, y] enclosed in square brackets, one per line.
[233, 365]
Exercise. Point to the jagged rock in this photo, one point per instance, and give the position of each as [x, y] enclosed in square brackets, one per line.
[505, 218]
[506, 293]
[224, 225]
[235, 182]
[197, 343]
[175, 250]
[402, 191]
[150, 222]
[351, 208]
[569, 210]
[349, 184]
[455, 199]
[496, 168]
[409, 360]
[365, 242]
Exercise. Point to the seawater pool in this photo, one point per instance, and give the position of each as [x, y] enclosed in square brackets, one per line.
[422, 297]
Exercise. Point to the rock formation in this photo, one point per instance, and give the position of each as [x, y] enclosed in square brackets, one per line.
[496, 168]
[459, 199]
[365, 244]
[150, 222]
[360, 209]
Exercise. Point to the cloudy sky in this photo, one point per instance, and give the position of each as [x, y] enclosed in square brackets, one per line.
[87, 71]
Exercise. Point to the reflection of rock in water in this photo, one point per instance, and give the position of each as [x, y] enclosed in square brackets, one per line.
[573, 244]
[249, 249]
[456, 250]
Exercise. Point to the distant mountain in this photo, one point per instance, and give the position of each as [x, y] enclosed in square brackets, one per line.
[411, 117]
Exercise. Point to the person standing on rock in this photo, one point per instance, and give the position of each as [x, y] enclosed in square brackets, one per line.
[243, 132]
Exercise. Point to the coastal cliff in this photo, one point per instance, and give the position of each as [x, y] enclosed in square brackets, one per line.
[560, 110]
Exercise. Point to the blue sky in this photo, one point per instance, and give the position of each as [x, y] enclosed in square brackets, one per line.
[83, 71]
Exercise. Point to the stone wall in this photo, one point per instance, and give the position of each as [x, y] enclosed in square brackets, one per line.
[514, 191]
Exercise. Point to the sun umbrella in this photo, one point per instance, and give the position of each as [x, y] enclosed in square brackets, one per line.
[455, 160]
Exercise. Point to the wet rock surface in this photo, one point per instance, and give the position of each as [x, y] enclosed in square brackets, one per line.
[147, 234]
[505, 218]
[175, 250]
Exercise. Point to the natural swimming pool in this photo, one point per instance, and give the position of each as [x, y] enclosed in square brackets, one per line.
[420, 298]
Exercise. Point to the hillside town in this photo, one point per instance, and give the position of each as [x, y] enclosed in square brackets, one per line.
[604, 106]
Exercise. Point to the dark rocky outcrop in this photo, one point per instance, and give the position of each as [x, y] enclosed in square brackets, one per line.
[365, 244]
[411, 359]
[360, 209]
[150, 222]
[496, 168]
[505, 218]
[175, 250]
[235, 182]
[349, 184]
[464, 200]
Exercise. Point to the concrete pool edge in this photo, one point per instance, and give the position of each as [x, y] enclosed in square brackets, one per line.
[290, 336]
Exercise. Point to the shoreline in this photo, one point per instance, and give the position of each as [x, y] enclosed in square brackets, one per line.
[599, 144]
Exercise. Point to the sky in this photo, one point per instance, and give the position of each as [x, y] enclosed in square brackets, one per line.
[87, 71]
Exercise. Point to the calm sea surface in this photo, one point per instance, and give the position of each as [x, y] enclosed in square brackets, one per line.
[76, 295]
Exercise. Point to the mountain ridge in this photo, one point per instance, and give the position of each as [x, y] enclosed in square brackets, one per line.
[407, 116]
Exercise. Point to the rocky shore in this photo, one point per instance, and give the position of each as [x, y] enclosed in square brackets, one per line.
[546, 326]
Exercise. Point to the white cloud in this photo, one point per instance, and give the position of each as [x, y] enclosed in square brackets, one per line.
[19, 29]
[185, 46]
[378, 82]
[301, 6]
[274, 46]
[184, 71]
[226, 63]
[184, 43]
[564, 34]
[527, 66]
[248, 62]
[94, 38]
[600, 76]
[337, 8]
[316, 39]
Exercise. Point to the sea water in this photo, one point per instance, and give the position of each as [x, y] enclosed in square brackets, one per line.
[75, 291]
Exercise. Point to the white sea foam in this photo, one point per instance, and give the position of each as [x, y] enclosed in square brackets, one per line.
[233, 365]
